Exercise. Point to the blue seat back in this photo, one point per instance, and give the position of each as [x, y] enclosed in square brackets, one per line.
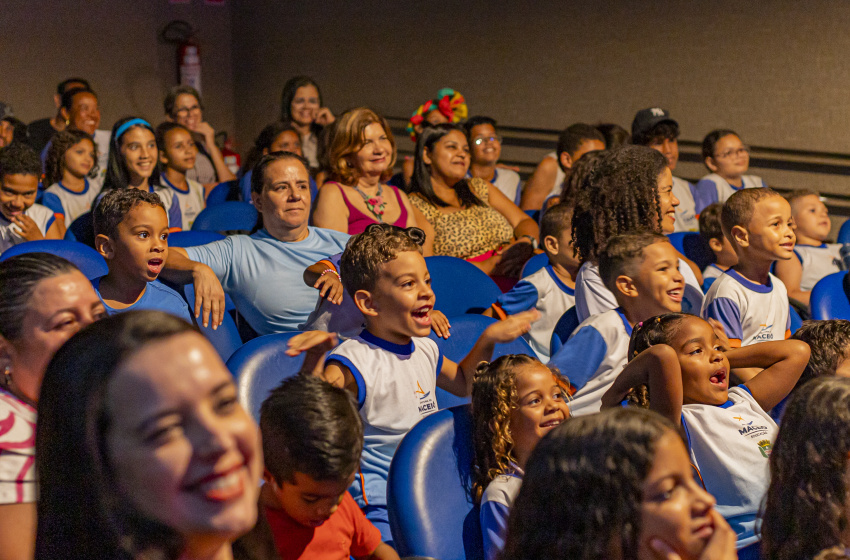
[534, 264]
[691, 245]
[193, 238]
[221, 192]
[259, 366]
[431, 510]
[828, 299]
[563, 329]
[844, 232]
[796, 320]
[81, 230]
[227, 216]
[89, 261]
[465, 331]
[460, 287]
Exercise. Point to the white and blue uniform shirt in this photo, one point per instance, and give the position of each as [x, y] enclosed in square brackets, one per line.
[818, 261]
[686, 216]
[69, 204]
[593, 357]
[592, 297]
[560, 176]
[496, 504]
[507, 181]
[714, 188]
[191, 201]
[264, 275]
[396, 388]
[157, 296]
[545, 292]
[10, 234]
[748, 311]
[711, 273]
[729, 446]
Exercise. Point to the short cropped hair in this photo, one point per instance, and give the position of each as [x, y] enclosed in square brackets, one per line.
[710, 226]
[312, 427]
[258, 175]
[575, 135]
[171, 98]
[555, 220]
[360, 265]
[712, 138]
[63, 85]
[739, 208]
[347, 140]
[68, 96]
[665, 130]
[477, 120]
[830, 344]
[624, 253]
[795, 195]
[19, 159]
[116, 204]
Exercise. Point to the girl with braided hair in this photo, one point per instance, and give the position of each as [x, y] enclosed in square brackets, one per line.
[627, 189]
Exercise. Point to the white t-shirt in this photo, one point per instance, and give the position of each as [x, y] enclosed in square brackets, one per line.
[496, 505]
[70, 204]
[10, 233]
[192, 201]
[17, 450]
[817, 262]
[714, 188]
[396, 388]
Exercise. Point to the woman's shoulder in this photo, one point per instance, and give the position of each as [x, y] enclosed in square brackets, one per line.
[480, 188]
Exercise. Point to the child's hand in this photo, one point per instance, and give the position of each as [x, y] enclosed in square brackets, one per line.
[330, 287]
[440, 324]
[316, 344]
[721, 334]
[29, 229]
[720, 546]
[513, 327]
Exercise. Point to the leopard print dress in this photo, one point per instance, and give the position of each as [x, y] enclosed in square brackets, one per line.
[469, 232]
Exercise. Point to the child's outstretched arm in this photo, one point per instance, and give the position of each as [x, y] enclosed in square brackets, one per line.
[782, 361]
[657, 366]
[316, 344]
[457, 378]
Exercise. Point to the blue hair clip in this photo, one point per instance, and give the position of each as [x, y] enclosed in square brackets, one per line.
[132, 122]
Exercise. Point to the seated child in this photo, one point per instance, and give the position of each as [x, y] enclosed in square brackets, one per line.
[177, 153]
[815, 258]
[728, 160]
[711, 232]
[806, 507]
[485, 150]
[131, 233]
[21, 219]
[392, 368]
[830, 345]
[575, 141]
[72, 175]
[749, 302]
[312, 440]
[642, 270]
[679, 367]
[654, 128]
[550, 290]
[516, 400]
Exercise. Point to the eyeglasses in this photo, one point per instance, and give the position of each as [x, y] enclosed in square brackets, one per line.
[739, 151]
[489, 140]
[186, 110]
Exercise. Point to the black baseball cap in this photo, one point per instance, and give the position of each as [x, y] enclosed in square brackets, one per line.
[646, 119]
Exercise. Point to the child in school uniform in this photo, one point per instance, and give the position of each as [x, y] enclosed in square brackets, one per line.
[72, 173]
[711, 232]
[485, 149]
[21, 219]
[679, 367]
[642, 270]
[177, 153]
[312, 441]
[728, 159]
[392, 368]
[814, 258]
[550, 290]
[749, 302]
[131, 233]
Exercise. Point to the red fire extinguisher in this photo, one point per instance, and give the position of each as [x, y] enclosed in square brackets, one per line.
[231, 157]
[189, 64]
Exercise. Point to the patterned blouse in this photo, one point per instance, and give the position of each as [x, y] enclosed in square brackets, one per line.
[469, 232]
[17, 450]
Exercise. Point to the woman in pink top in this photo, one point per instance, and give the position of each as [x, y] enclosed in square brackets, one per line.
[361, 155]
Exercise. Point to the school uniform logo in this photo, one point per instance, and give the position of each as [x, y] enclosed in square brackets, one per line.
[765, 447]
[427, 404]
[750, 429]
[764, 334]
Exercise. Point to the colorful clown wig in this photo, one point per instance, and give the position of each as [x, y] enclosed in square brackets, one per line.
[448, 102]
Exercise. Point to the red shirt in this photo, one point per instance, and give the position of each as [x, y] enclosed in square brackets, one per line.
[346, 533]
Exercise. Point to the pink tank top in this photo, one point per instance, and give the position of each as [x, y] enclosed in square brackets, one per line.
[358, 221]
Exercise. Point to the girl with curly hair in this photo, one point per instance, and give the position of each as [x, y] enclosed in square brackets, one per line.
[71, 171]
[516, 400]
[627, 189]
[685, 364]
[806, 509]
[615, 486]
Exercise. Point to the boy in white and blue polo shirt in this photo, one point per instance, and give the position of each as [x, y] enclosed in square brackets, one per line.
[485, 147]
[21, 219]
[749, 301]
[392, 368]
[641, 269]
[550, 290]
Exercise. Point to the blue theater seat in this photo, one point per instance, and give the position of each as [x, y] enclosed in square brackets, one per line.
[193, 238]
[227, 216]
[829, 299]
[563, 329]
[534, 264]
[460, 287]
[89, 261]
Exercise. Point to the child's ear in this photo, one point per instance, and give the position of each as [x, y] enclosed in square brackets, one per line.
[566, 160]
[709, 162]
[104, 246]
[626, 286]
[740, 236]
[163, 159]
[715, 244]
[269, 478]
[550, 244]
[363, 301]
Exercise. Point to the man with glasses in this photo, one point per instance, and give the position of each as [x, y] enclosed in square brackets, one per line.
[485, 149]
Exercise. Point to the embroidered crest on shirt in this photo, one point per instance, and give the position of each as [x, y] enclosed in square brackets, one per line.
[426, 404]
[764, 334]
[765, 447]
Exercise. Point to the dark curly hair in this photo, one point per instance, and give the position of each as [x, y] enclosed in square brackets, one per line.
[655, 330]
[618, 194]
[830, 344]
[576, 176]
[805, 508]
[365, 252]
[583, 487]
[493, 397]
[19, 159]
[61, 143]
[116, 204]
